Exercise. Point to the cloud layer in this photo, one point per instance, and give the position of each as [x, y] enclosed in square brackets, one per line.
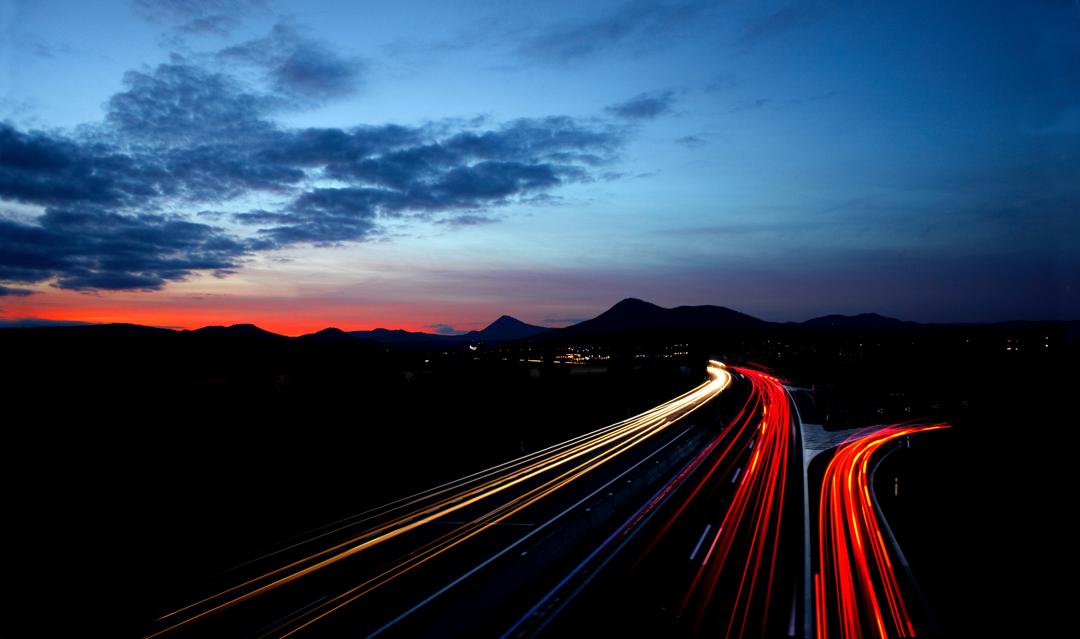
[118, 200]
[298, 66]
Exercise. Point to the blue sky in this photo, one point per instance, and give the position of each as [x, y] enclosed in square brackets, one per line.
[416, 163]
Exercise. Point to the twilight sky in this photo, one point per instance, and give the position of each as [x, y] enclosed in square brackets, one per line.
[432, 165]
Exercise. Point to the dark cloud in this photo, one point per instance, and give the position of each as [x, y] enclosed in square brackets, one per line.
[468, 219]
[217, 24]
[490, 181]
[182, 139]
[645, 106]
[177, 131]
[93, 249]
[297, 66]
[639, 23]
[556, 139]
[218, 17]
[691, 141]
[443, 329]
[95, 234]
[460, 173]
[399, 172]
[33, 322]
[790, 17]
[325, 216]
[179, 101]
[339, 147]
[43, 169]
[565, 320]
[7, 291]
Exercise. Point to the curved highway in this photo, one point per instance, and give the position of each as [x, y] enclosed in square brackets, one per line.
[382, 570]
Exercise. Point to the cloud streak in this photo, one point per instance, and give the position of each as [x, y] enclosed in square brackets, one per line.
[635, 24]
[790, 17]
[7, 291]
[444, 329]
[215, 17]
[691, 141]
[644, 106]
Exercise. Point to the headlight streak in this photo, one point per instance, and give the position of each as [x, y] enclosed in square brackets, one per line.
[760, 435]
[856, 590]
[466, 531]
[536, 618]
[571, 459]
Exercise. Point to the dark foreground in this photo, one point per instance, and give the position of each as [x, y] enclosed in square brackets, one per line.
[147, 468]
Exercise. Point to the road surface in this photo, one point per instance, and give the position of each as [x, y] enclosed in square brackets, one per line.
[675, 522]
[388, 570]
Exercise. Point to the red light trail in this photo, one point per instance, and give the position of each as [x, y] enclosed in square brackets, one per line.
[759, 437]
[752, 522]
[856, 591]
[738, 581]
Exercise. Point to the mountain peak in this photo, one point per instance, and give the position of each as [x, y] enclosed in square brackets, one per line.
[633, 303]
[236, 330]
[329, 334]
[505, 328]
[632, 307]
[504, 320]
[862, 321]
[330, 330]
[632, 314]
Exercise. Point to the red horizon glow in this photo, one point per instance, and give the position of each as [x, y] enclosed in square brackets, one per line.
[192, 319]
[292, 317]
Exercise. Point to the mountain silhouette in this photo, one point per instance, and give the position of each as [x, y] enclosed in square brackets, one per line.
[628, 317]
[503, 329]
[860, 322]
[634, 315]
[244, 331]
[330, 334]
[400, 336]
[94, 330]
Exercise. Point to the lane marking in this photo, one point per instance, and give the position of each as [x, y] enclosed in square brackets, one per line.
[535, 531]
[699, 541]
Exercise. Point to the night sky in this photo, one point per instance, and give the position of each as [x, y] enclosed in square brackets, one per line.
[433, 165]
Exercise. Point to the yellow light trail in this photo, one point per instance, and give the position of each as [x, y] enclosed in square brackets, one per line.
[579, 456]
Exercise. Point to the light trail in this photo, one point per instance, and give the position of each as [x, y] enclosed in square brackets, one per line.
[763, 421]
[856, 591]
[500, 491]
[752, 521]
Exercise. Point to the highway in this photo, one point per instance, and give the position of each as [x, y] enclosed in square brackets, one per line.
[675, 522]
[711, 553]
[388, 570]
[858, 590]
